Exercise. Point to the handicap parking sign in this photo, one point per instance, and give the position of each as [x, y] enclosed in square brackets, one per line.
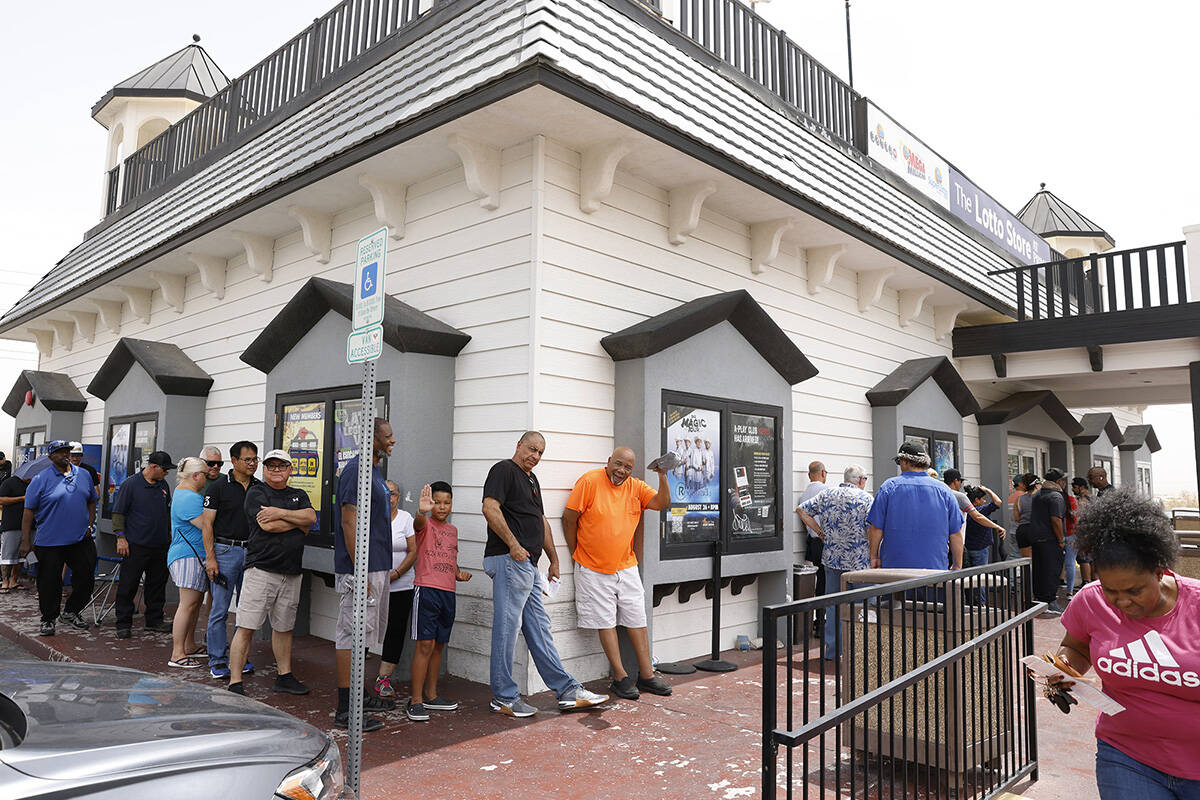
[369, 281]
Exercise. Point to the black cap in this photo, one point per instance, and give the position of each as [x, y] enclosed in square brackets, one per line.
[951, 475]
[1055, 474]
[913, 454]
[160, 459]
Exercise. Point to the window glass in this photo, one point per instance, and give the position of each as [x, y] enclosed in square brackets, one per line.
[145, 434]
[304, 439]
[39, 437]
[694, 435]
[945, 454]
[347, 422]
[752, 458]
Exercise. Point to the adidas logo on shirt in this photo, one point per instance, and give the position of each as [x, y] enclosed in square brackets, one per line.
[1149, 659]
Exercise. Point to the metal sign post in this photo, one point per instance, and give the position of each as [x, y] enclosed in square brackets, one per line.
[364, 345]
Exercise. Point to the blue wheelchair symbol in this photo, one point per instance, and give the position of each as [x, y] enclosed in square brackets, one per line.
[370, 275]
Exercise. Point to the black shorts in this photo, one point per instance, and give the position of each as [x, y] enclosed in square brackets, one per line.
[1023, 536]
[433, 614]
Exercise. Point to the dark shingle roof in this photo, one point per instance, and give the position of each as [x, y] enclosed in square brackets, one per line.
[1017, 404]
[404, 328]
[1048, 215]
[1137, 436]
[742, 311]
[167, 365]
[189, 72]
[904, 380]
[55, 390]
[1096, 424]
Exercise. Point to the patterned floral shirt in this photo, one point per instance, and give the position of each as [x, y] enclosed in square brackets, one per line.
[842, 513]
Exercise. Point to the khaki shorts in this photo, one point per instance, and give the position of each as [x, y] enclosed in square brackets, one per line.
[605, 601]
[268, 595]
[377, 610]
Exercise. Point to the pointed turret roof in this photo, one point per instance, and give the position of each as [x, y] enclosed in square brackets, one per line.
[1049, 216]
[189, 72]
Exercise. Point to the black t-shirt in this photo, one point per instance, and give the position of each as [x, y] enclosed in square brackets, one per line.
[520, 498]
[10, 515]
[227, 497]
[281, 552]
[91, 471]
[1047, 503]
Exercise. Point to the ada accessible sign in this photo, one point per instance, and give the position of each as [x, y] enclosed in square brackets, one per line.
[369, 274]
[364, 345]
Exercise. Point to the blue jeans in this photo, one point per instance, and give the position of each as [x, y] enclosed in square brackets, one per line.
[1069, 550]
[1120, 777]
[977, 558]
[231, 561]
[517, 607]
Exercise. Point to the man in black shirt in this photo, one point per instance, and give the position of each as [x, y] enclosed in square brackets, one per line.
[12, 508]
[226, 530]
[1047, 532]
[141, 519]
[277, 516]
[517, 534]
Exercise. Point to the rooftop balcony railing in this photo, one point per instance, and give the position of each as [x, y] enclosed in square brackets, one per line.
[1119, 280]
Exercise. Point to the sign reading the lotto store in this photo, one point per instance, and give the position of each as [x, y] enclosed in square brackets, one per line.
[907, 156]
[976, 208]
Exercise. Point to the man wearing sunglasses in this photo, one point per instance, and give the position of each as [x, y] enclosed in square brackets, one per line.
[211, 456]
[226, 531]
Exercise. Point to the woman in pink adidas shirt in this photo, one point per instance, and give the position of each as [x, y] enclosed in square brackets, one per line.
[1139, 626]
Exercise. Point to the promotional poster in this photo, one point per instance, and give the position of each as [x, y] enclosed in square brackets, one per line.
[694, 435]
[303, 437]
[752, 458]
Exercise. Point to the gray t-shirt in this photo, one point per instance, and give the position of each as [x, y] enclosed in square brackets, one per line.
[964, 502]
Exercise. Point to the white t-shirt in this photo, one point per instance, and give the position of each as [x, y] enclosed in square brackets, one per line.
[402, 533]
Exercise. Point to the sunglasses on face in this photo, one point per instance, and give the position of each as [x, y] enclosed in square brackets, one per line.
[214, 463]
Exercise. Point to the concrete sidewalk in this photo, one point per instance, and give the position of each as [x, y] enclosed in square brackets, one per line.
[702, 742]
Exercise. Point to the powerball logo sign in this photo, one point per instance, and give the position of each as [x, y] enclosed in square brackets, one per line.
[1147, 659]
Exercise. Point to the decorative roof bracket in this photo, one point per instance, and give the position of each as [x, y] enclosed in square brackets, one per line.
[317, 228]
[44, 339]
[391, 202]
[597, 170]
[481, 169]
[212, 272]
[822, 261]
[683, 216]
[765, 238]
[85, 325]
[139, 301]
[870, 286]
[173, 286]
[64, 332]
[260, 253]
[944, 318]
[110, 313]
[911, 303]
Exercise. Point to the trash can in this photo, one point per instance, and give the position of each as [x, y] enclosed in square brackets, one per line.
[804, 586]
[899, 635]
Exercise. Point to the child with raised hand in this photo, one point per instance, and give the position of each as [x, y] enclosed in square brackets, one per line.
[433, 599]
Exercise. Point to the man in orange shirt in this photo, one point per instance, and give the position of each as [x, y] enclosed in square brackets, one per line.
[602, 516]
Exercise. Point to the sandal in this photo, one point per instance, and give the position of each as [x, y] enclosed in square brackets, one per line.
[187, 662]
[5, 589]
[202, 652]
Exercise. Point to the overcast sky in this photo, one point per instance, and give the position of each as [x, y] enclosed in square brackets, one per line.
[1094, 98]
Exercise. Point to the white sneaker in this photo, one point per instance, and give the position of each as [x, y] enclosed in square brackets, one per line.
[581, 698]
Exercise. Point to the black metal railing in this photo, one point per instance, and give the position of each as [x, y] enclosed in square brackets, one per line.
[112, 186]
[734, 33]
[306, 65]
[1119, 280]
[927, 699]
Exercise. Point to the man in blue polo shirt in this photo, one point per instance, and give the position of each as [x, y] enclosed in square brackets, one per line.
[61, 500]
[914, 519]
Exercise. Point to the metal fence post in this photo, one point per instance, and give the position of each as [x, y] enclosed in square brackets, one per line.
[770, 666]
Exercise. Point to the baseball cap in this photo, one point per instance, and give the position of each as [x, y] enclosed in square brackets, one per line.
[76, 447]
[58, 444]
[277, 455]
[160, 459]
[913, 454]
[951, 475]
[1055, 474]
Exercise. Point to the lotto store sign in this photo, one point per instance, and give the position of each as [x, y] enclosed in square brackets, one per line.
[907, 156]
[976, 208]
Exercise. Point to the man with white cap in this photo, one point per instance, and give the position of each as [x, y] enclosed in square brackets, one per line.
[914, 519]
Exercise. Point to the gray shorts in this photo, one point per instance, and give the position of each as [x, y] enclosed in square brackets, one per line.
[10, 547]
[377, 610]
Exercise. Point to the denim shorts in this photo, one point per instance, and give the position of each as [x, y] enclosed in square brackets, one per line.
[1122, 777]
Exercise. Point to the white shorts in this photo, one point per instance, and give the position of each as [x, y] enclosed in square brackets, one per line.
[378, 599]
[604, 600]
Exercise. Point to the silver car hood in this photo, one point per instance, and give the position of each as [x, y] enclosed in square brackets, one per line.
[87, 721]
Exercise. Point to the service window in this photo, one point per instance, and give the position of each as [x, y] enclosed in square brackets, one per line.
[30, 444]
[131, 440]
[726, 484]
[320, 430]
[1143, 478]
[941, 447]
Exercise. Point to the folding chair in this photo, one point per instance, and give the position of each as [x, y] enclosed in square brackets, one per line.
[104, 595]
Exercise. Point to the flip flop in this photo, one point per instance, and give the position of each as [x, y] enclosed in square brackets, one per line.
[5, 589]
[202, 652]
[187, 662]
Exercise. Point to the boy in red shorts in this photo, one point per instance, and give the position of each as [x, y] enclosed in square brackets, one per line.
[433, 602]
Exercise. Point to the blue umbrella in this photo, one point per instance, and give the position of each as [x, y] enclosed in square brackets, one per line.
[30, 468]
